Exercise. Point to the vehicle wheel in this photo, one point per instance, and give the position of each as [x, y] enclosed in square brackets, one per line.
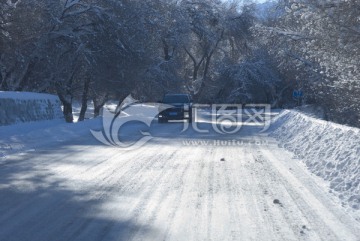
[190, 119]
[162, 120]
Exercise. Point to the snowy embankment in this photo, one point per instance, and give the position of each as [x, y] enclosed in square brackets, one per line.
[329, 150]
[21, 107]
[29, 120]
[23, 137]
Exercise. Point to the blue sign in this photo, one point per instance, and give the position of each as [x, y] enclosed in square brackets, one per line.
[297, 93]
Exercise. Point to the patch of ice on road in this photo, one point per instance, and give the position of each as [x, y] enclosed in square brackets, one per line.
[329, 150]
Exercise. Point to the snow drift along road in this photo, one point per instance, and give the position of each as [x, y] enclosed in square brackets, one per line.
[19, 107]
[329, 150]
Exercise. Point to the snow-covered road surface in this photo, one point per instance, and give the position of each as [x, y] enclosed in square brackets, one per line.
[179, 186]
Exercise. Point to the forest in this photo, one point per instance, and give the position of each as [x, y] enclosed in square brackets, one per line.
[217, 51]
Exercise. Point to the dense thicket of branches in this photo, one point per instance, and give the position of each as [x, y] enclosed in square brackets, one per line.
[218, 51]
[316, 44]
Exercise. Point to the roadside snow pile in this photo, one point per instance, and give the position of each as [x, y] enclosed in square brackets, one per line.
[330, 150]
[27, 137]
[21, 107]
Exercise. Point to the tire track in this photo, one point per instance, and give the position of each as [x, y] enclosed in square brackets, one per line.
[133, 174]
[29, 202]
[155, 183]
[179, 181]
[47, 211]
[266, 228]
[322, 225]
[182, 206]
[210, 199]
[234, 195]
[274, 188]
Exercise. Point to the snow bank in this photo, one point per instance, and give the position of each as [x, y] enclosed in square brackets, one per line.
[329, 150]
[21, 107]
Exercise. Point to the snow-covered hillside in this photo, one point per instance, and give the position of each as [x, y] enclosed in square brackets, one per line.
[19, 107]
[329, 150]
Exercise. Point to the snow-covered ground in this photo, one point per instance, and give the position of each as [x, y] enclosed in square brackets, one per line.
[26, 137]
[329, 150]
[65, 185]
[77, 107]
[89, 114]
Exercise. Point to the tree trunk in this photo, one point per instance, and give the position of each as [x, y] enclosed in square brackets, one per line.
[24, 78]
[67, 107]
[4, 79]
[167, 56]
[120, 105]
[197, 96]
[84, 100]
[97, 109]
[98, 105]
[3, 85]
[279, 97]
[206, 70]
[69, 118]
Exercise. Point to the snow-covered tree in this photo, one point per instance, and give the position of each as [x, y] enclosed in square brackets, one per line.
[316, 44]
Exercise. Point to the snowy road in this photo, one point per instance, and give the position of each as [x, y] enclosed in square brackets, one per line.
[179, 186]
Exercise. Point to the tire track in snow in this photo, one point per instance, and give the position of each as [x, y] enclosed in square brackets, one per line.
[150, 186]
[24, 205]
[105, 185]
[188, 211]
[200, 189]
[275, 189]
[324, 221]
[210, 200]
[263, 227]
[235, 202]
[47, 210]
[177, 182]
[131, 175]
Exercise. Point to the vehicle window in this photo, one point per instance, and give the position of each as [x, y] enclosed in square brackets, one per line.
[176, 99]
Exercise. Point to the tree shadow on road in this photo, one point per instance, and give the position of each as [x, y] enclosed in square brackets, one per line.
[38, 204]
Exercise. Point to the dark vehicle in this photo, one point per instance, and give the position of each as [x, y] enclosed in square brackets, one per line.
[175, 107]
